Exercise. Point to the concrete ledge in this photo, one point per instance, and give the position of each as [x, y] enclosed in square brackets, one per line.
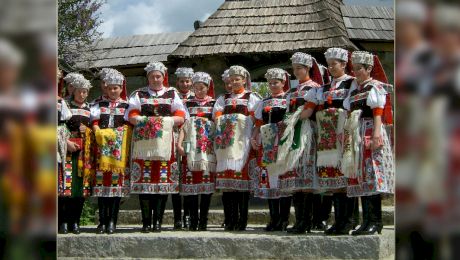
[216, 217]
[251, 244]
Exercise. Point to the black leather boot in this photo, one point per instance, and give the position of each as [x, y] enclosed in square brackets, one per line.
[375, 215]
[308, 212]
[63, 216]
[338, 208]
[193, 209]
[299, 206]
[317, 222]
[355, 221]
[273, 207]
[102, 215]
[146, 211]
[365, 224]
[186, 217]
[225, 204]
[177, 210]
[113, 212]
[158, 212]
[78, 204]
[232, 204]
[326, 209]
[347, 215]
[204, 211]
[285, 212]
[243, 206]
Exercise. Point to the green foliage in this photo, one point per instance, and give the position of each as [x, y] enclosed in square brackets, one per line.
[261, 88]
[88, 214]
[78, 21]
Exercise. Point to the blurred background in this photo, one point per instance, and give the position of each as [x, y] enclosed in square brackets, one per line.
[427, 83]
[428, 129]
[27, 129]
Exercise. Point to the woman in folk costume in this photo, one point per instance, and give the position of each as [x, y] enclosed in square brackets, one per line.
[270, 111]
[104, 94]
[184, 83]
[228, 89]
[74, 183]
[330, 120]
[113, 134]
[368, 156]
[63, 134]
[300, 178]
[198, 167]
[233, 114]
[68, 79]
[184, 90]
[154, 110]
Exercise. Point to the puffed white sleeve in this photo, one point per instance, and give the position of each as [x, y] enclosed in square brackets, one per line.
[311, 96]
[95, 112]
[134, 107]
[218, 107]
[376, 97]
[320, 96]
[66, 114]
[346, 101]
[259, 108]
[178, 108]
[253, 102]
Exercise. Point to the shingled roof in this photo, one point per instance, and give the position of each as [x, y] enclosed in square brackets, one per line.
[256, 26]
[369, 23]
[132, 50]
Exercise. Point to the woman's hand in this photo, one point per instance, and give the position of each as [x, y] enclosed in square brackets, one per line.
[72, 147]
[376, 143]
[255, 144]
[181, 150]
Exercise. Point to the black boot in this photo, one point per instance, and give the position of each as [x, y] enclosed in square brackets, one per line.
[273, 207]
[102, 215]
[375, 215]
[77, 206]
[308, 212]
[285, 212]
[193, 209]
[326, 209]
[146, 211]
[243, 207]
[113, 212]
[232, 205]
[204, 211]
[177, 210]
[355, 222]
[347, 215]
[299, 206]
[336, 199]
[159, 207]
[317, 222]
[226, 210]
[186, 217]
[63, 215]
[365, 224]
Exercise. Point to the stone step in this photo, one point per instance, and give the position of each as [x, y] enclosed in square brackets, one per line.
[254, 243]
[216, 216]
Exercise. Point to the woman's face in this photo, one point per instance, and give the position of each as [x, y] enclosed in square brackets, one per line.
[184, 84]
[276, 86]
[80, 94]
[8, 76]
[200, 89]
[361, 73]
[336, 67]
[155, 79]
[228, 85]
[300, 71]
[237, 82]
[114, 91]
[104, 88]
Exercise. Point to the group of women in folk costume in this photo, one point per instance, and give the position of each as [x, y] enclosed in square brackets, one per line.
[326, 139]
[298, 143]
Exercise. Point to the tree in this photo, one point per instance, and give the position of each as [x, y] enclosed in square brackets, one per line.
[78, 21]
